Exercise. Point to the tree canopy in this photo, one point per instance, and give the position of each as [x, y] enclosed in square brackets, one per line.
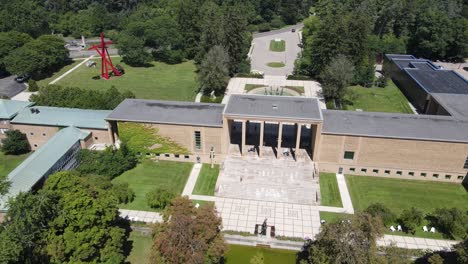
[15, 143]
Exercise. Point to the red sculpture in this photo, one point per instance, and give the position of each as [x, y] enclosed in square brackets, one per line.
[106, 62]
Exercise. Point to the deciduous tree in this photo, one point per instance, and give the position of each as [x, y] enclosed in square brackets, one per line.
[213, 72]
[15, 143]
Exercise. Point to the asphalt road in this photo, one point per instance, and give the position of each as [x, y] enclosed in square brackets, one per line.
[261, 54]
[9, 87]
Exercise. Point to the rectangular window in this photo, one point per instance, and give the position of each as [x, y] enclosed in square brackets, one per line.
[166, 155]
[187, 156]
[423, 174]
[197, 140]
[375, 171]
[363, 170]
[466, 163]
[460, 177]
[349, 155]
[387, 172]
[352, 169]
[435, 175]
[176, 155]
[399, 172]
[448, 177]
[157, 154]
[411, 173]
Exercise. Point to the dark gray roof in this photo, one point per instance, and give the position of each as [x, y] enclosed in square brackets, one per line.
[168, 112]
[277, 107]
[390, 125]
[455, 104]
[399, 56]
[439, 81]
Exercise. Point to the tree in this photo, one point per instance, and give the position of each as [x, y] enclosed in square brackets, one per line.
[87, 227]
[159, 198]
[213, 72]
[15, 143]
[451, 221]
[212, 31]
[188, 235]
[336, 77]
[32, 86]
[123, 192]
[352, 240]
[411, 219]
[461, 251]
[236, 37]
[364, 73]
[380, 210]
[10, 41]
[133, 50]
[436, 259]
[26, 16]
[38, 57]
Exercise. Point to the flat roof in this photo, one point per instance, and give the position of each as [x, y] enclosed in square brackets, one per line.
[439, 81]
[400, 56]
[394, 125]
[9, 108]
[63, 117]
[276, 107]
[168, 112]
[32, 169]
[455, 104]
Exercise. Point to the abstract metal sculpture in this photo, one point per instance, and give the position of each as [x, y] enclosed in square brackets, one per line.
[106, 62]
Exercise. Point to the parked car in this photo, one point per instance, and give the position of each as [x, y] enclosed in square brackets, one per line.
[21, 78]
[293, 30]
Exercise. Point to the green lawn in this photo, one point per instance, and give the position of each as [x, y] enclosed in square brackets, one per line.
[277, 46]
[9, 163]
[68, 66]
[276, 64]
[140, 248]
[330, 217]
[206, 180]
[329, 192]
[377, 99]
[151, 174]
[242, 255]
[160, 81]
[399, 194]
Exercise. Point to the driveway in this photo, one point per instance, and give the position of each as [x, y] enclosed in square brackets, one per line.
[261, 54]
[10, 88]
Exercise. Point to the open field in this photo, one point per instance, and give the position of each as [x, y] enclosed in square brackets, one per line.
[151, 174]
[9, 163]
[158, 81]
[242, 254]
[399, 194]
[329, 192]
[140, 248]
[206, 180]
[277, 46]
[70, 64]
[377, 99]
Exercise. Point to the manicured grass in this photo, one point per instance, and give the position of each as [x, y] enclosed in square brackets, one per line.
[298, 89]
[160, 81]
[206, 180]
[200, 202]
[398, 194]
[329, 192]
[209, 99]
[144, 139]
[9, 163]
[376, 99]
[70, 64]
[250, 87]
[277, 46]
[242, 254]
[276, 64]
[151, 174]
[330, 217]
[141, 248]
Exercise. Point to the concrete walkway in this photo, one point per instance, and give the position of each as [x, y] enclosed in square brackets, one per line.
[192, 180]
[141, 216]
[71, 70]
[344, 193]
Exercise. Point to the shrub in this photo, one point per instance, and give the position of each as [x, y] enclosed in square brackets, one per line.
[277, 22]
[32, 86]
[382, 81]
[15, 143]
[299, 77]
[380, 210]
[159, 198]
[264, 27]
[124, 193]
[330, 104]
[411, 219]
[451, 221]
[169, 56]
[250, 75]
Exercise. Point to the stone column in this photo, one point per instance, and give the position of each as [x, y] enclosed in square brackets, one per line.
[298, 137]
[262, 130]
[280, 137]
[243, 137]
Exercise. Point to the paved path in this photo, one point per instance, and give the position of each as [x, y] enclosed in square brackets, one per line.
[416, 242]
[344, 193]
[71, 70]
[192, 180]
[142, 216]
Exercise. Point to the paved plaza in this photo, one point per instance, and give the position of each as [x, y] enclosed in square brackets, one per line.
[268, 179]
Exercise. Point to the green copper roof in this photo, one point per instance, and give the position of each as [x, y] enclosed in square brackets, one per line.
[32, 169]
[59, 116]
[9, 108]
